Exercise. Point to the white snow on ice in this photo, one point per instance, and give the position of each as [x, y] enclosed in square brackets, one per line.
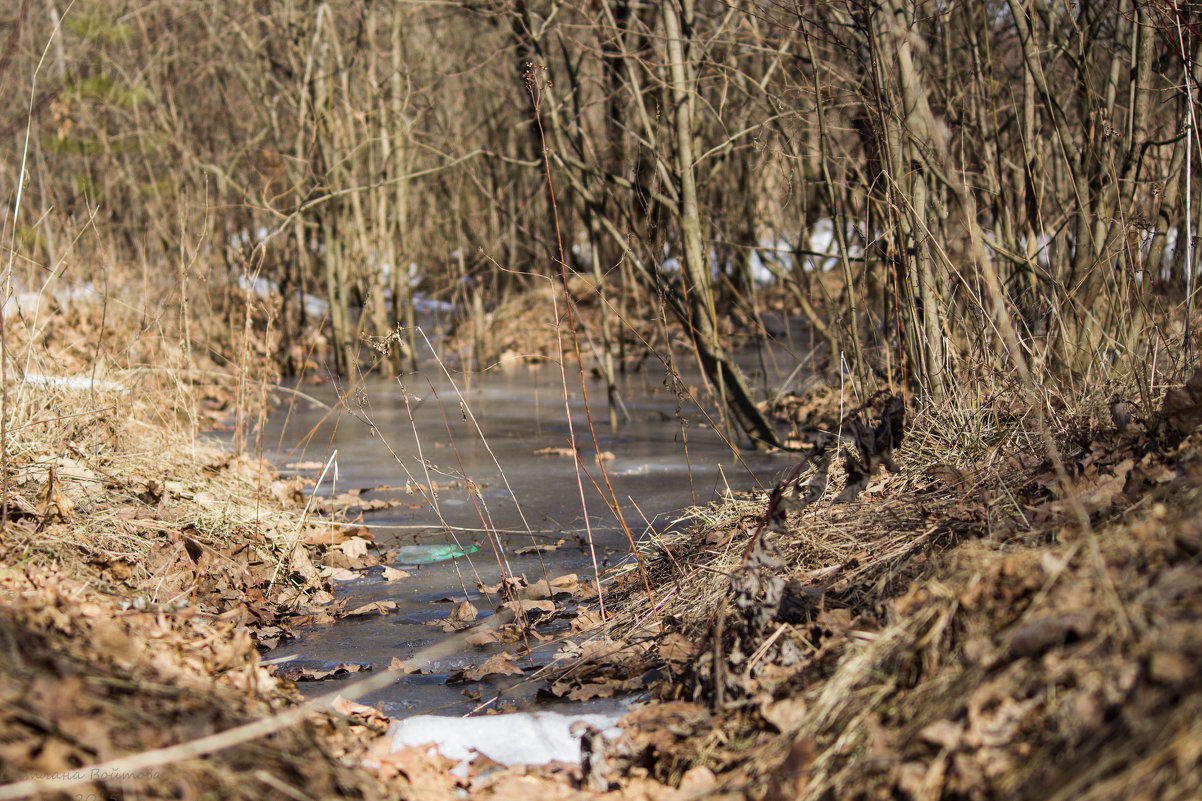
[518, 738]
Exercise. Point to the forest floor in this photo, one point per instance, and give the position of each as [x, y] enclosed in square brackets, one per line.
[1015, 612]
[142, 571]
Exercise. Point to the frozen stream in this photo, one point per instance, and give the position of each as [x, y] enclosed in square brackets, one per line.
[519, 411]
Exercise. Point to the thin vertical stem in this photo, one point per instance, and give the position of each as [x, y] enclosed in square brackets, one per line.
[1187, 349]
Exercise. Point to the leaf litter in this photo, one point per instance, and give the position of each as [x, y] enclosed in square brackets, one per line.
[142, 572]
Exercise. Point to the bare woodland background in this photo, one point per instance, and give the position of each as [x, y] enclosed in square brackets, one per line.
[1008, 183]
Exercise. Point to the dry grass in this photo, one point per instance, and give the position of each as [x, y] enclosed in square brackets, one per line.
[106, 462]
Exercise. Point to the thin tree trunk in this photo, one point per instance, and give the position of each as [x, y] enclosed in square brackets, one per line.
[732, 387]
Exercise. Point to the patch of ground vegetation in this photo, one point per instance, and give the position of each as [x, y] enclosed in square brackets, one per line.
[534, 325]
[143, 569]
[1009, 621]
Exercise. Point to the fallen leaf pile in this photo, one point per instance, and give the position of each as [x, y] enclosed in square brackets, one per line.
[84, 682]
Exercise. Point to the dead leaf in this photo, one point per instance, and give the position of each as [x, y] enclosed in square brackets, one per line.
[943, 734]
[1182, 410]
[292, 672]
[482, 765]
[995, 718]
[922, 782]
[542, 590]
[301, 565]
[331, 536]
[677, 650]
[1169, 668]
[367, 715]
[290, 493]
[1121, 412]
[539, 590]
[496, 665]
[483, 637]
[513, 583]
[120, 569]
[18, 504]
[404, 667]
[423, 768]
[527, 605]
[549, 451]
[542, 547]
[947, 476]
[268, 636]
[586, 621]
[587, 692]
[657, 727]
[464, 612]
[375, 607]
[354, 547]
[53, 504]
[787, 714]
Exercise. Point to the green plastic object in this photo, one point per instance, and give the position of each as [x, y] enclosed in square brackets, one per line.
[429, 554]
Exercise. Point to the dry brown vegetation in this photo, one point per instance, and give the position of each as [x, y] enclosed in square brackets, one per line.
[1019, 624]
[144, 567]
[199, 196]
[985, 630]
[86, 681]
[996, 187]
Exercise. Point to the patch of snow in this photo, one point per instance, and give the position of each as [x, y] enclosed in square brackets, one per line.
[429, 305]
[778, 252]
[823, 240]
[73, 383]
[1043, 248]
[25, 304]
[80, 293]
[1169, 255]
[28, 304]
[518, 738]
[265, 287]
